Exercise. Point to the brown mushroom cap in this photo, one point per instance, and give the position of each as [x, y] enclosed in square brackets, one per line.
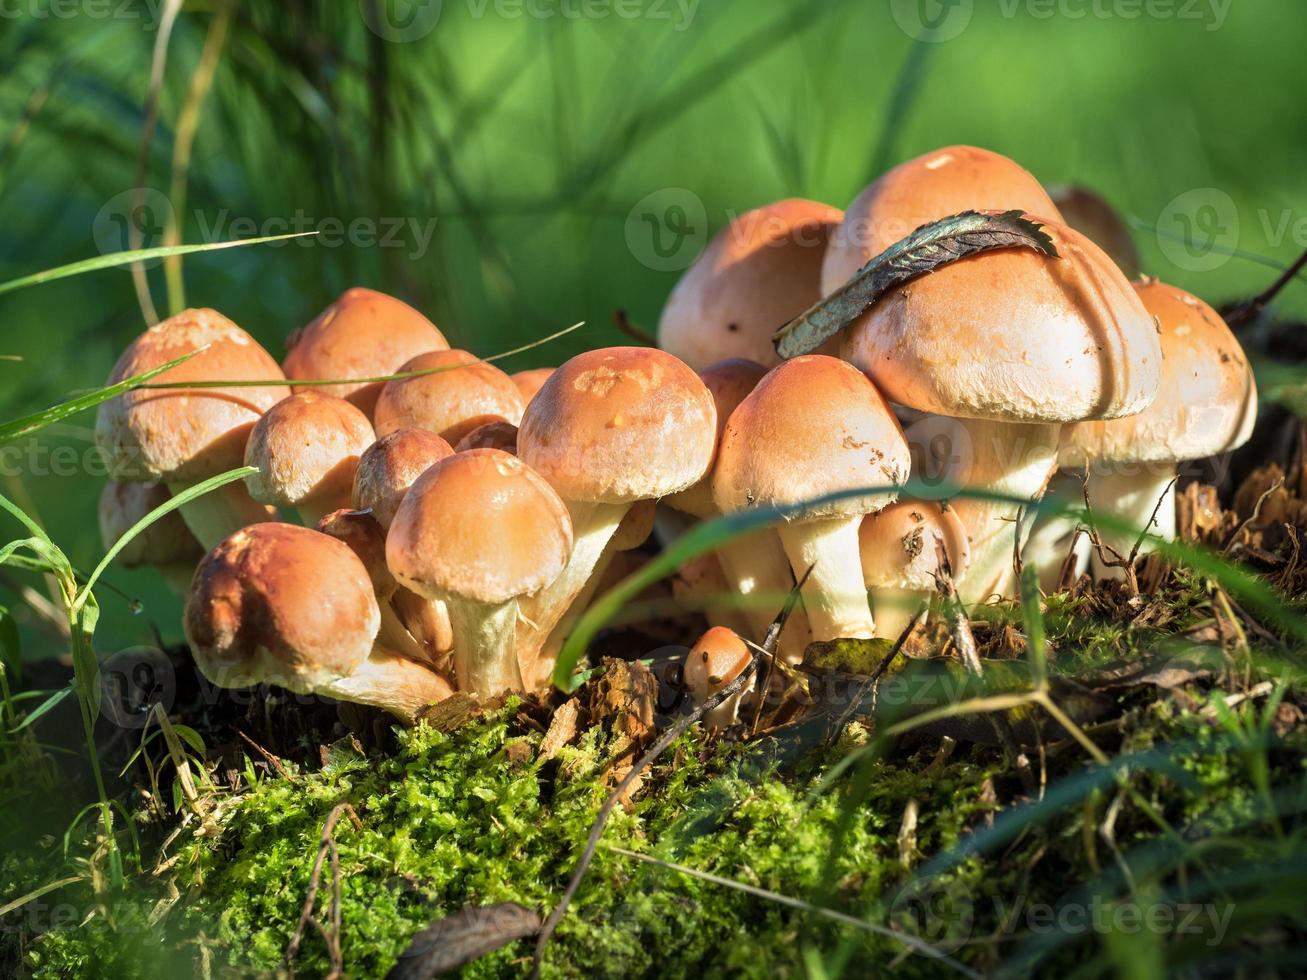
[729, 382]
[1091, 215]
[362, 534]
[282, 604]
[451, 402]
[619, 425]
[1014, 336]
[714, 661]
[899, 545]
[306, 447]
[167, 541]
[531, 381]
[637, 524]
[1206, 402]
[390, 466]
[929, 187]
[364, 334]
[813, 426]
[759, 272]
[492, 435]
[187, 434]
[480, 526]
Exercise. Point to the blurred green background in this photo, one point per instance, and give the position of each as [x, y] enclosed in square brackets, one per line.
[514, 166]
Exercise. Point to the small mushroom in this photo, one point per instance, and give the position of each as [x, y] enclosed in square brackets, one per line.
[761, 270]
[390, 466]
[306, 448]
[530, 381]
[478, 531]
[183, 436]
[924, 189]
[1206, 404]
[286, 605]
[463, 394]
[492, 435]
[166, 545]
[1091, 215]
[1008, 345]
[364, 334]
[610, 428]
[718, 658]
[814, 426]
[901, 558]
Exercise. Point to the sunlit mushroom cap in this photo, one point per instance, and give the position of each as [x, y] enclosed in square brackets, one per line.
[813, 426]
[364, 334]
[729, 382]
[187, 434]
[492, 435]
[281, 604]
[1206, 402]
[619, 425]
[929, 187]
[1013, 335]
[165, 542]
[718, 658]
[1091, 215]
[758, 273]
[900, 545]
[452, 402]
[390, 466]
[530, 381]
[306, 446]
[480, 526]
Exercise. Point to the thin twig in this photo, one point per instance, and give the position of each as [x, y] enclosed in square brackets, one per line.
[326, 846]
[619, 793]
[622, 321]
[1252, 518]
[1258, 303]
[874, 677]
[769, 643]
[271, 759]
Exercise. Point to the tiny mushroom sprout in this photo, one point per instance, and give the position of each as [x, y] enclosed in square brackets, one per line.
[183, 436]
[479, 531]
[360, 531]
[1206, 404]
[462, 393]
[929, 187]
[610, 428]
[166, 545]
[755, 565]
[1098, 221]
[904, 550]
[286, 605]
[814, 427]
[492, 435]
[390, 466]
[716, 659]
[1009, 345]
[306, 448]
[364, 334]
[530, 381]
[761, 270]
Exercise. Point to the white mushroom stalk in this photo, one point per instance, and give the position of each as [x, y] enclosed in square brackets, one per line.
[1139, 496]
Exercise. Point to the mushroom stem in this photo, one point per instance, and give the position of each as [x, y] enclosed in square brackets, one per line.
[1050, 535]
[1010, 460]
[485, 646]
[895, 609]
[834, 594]
[756, 567]
[593, 526]
[220, 513]
[1132, 496]
[395, 636]
[388, 680]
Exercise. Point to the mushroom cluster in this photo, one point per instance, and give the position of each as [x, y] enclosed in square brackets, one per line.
[417, 522]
